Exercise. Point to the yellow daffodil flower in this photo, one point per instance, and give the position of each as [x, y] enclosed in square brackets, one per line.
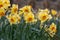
[54, 12]
[29, 18]
[2, 12]
[13, 19]
[43, 16]
[1, 4]
[26, 9]
[14, 9]
[6, 3]
[52, 29]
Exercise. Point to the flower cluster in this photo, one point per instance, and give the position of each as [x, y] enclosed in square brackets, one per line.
[15, 15]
